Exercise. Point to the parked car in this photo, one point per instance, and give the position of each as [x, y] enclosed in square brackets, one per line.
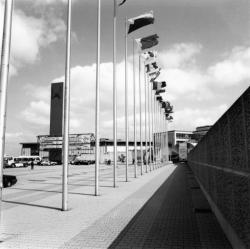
[9, 180]
[47, 163]
[19, 163]
[84, 159]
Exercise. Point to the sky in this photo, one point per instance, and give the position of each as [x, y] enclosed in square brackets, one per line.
[204, 53]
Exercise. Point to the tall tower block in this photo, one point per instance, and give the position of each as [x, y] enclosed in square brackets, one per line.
[56, 116]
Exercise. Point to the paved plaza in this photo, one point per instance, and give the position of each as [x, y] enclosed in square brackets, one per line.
[161, 209]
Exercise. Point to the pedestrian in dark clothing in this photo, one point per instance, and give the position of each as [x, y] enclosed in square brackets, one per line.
[32, 164]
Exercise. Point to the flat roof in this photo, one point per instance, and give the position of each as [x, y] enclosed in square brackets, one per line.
[180, 131]
[29, 143]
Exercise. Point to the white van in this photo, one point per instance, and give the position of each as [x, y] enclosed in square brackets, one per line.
[9, 162]
[28, 159]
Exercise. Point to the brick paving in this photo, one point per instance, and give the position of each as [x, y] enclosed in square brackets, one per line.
[170, 219]
[162, 209]
[31, 216]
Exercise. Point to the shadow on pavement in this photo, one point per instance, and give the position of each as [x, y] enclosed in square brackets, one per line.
[52, 191]
[33, 205]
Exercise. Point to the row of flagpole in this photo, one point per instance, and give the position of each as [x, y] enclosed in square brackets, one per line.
[155, 119]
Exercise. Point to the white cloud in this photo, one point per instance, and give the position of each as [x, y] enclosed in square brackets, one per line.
[189, 118]
[186, 82]
[37, 113]
[184, 78]
[13, 135]
[233, 69]
[29, 35]
[181, 55]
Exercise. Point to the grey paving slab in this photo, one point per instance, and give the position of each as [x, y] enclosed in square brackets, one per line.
[174, 224]
[156, 210]
[31, 216]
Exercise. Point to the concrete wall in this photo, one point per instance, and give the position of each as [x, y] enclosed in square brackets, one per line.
[221, 163]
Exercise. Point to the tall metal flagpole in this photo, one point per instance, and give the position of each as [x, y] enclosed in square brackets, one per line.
[149, 128]
[66, 109]
[163, 145]
[140, 99]
[97, 105]
[159, 132]
[135, 134]
[161, 135]
[114, 97]
[167, 141]
[163, 142]
[5, 58]
[146, 139]
[155, 131]
[126, 96]
[152, 121]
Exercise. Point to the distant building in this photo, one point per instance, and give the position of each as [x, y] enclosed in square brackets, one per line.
[30, 149]
[200, 132]
[79, 144]
[50, 146]
[177, 136]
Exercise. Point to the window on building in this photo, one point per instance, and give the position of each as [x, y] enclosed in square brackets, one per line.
[183, 136]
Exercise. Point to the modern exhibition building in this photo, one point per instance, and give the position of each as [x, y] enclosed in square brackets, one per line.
[50, 146]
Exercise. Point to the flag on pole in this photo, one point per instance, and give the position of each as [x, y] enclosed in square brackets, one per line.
[154, 65]
[170, 118]
[166, 104]
[151, 68]
[155, 85]
[163, 84]
[148, 42]
[155, 75]
[159, 98]
[122, 2]
[140, 21]
[149, 56]
[168, 109]
[153, 71]
[160, 91]
[159, 85]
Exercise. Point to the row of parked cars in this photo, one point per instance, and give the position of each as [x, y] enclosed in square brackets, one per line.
[25, 161]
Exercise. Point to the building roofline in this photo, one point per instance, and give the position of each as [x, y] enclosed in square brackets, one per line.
[180, 131]
[29, 143]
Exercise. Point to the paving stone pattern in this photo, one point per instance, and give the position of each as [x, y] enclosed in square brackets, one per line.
[31, 216]
[168, 220]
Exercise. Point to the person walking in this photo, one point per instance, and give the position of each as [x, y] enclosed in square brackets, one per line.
[32, 164]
